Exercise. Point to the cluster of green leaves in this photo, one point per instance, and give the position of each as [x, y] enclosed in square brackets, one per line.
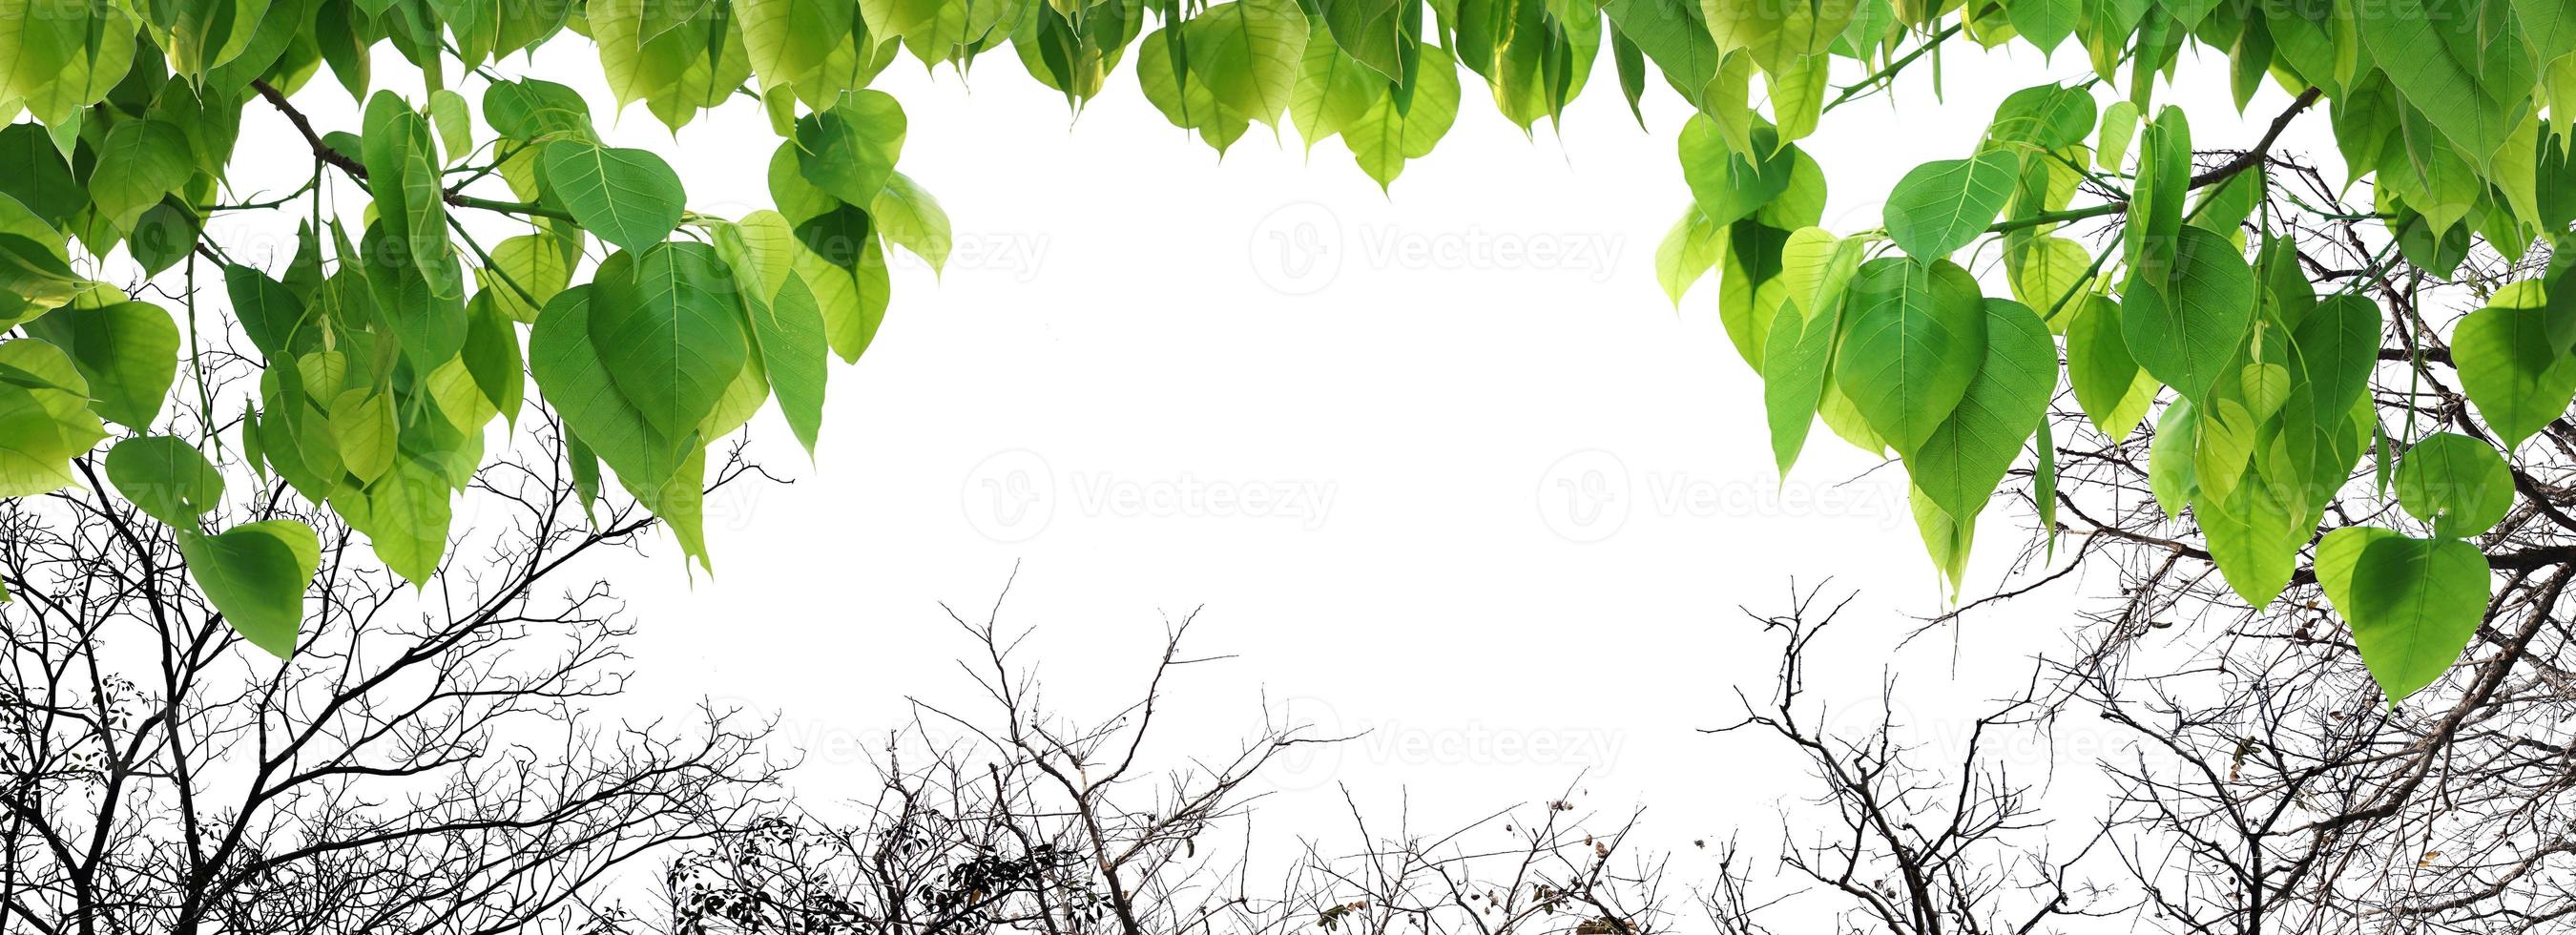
[1897, 349]
[393, 340]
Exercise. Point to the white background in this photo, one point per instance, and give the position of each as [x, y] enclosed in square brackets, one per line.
[1516, 505]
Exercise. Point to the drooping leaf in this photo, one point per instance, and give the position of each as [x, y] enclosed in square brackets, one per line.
[166, 478]
[1913, 337]
[127, 351]
[2456, 483]
[1959, 465]
[906, 214]
[2186, 332]
[255, 573]
[2510, 367]
[666, 328]
[849, 150]
[2110, 386]
[2414, 605]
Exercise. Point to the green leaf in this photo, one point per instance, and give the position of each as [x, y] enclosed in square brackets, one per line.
[569, 371]
[2338, 554]
[2046, 23]
[1687, 253]
[1914, 335]
[1731, 185]
[362, 424]
[2447, 62]
[1942, 205]
[789, 330]
[454, 120]
[2456, 483]
[138, 162]
[629, 197]
[1368, 33]
[1333, 90]
[491, 356]
[2510, 367]
[2119, 127]
[2253, 537]
[165, 478]
[36, 275]
[1392, 134]
[849, 150]
[2173, 457]
[1249, 53]
[2414, 604]
[255, 574]
[1959, 465]
[2043, 482]
[2334, 349]
[2113, 390]
[529, 263]
[906, 214]
[269, 314]
[2188, 332]
[1797, 354]
[788, 39]
[128, 352]
[2148, 240]
[405, 515]
[2048, 116]
[530, 110]
[1777, 34]
[666, 329]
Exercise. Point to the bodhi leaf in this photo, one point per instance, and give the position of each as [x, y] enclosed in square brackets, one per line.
[909, 217]
[1333, 91]
[2456, 483]
[404, 514]
[849, 150]
[2187, 332]
[789, 332]
[2509, 367]
[2148, 240]
[165, 478]
[664, 324]
[2414, 604]
[629, 197]
[1392, 134]
[1249, 53]
[1959, 465]
[2173, 458]
[2110, 386]
[568, 369]
[1687, 253]
[255, 574]
[138, 162]
[128, 351]
[2334, 349]
[1730, 185]
[1942, 205]
[1913, 337]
